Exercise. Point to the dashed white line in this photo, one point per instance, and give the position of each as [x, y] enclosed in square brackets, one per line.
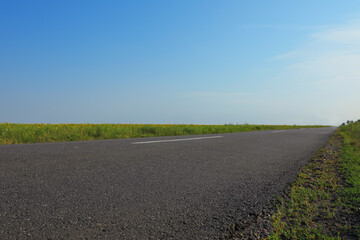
[278, 131]
[176, 140]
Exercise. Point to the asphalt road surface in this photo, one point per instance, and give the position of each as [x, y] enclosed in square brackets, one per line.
[192, 187]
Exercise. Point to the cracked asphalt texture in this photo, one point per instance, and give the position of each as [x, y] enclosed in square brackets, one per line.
[114, 189]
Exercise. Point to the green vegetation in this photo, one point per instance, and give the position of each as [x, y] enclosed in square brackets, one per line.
[324, 201]
[351, 165]
[31, 133]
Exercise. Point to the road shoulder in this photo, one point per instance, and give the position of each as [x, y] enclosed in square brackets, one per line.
[314, 206]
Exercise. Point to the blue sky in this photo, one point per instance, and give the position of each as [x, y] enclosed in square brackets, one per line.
[201, 62]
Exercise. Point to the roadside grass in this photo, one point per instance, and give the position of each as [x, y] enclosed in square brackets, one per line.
[324, 202]
[11, 133]
[351, 169]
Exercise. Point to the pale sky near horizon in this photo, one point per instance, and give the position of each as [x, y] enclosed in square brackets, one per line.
[191, 61]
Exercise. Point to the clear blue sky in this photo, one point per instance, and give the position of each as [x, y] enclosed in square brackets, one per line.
[201, 62]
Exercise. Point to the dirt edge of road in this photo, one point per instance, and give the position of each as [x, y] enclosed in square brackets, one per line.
[324, 216]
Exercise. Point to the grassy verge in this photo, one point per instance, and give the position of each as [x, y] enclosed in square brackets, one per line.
[324, 201]
[31, 133]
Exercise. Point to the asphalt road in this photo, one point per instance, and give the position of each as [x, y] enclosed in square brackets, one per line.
[123, 189]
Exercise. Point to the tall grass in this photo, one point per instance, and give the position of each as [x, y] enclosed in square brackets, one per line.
[11, 133]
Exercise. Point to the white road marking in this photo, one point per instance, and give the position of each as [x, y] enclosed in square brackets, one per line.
[177, 140]
[278, 131]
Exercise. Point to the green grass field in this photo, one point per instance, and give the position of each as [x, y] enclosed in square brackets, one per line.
[11, 133]
[324, 202]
